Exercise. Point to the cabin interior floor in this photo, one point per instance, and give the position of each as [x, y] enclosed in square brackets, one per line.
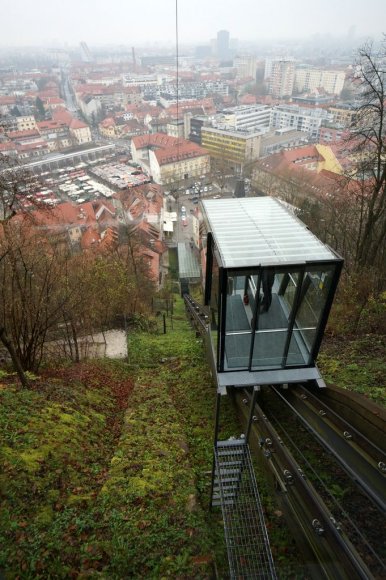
[270, 336]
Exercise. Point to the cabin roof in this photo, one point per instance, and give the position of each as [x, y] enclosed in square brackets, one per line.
[261, 231]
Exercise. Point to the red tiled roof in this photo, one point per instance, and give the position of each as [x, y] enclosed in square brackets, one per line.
[247, 99]
[46, 125]
[62, 114]
[89, 239]
[30, 146]
[179, 152]
[302, 153]
[6, 100]
[76, 124]
[109, 122]
[21, 134]
[154, 140]
[7, 146]
[53, 101]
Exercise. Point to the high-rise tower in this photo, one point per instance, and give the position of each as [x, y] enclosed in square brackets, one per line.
[223, 51]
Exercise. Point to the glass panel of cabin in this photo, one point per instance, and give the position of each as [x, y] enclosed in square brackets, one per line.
[312, 304]
[240, 303]
[214, 303]
[273, 316]
[277, 300]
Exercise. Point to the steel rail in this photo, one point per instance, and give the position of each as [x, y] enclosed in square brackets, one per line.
[340, 509]
[335, 554]
[369, 446]
[332, 549]
[342, 441]
[198, 314]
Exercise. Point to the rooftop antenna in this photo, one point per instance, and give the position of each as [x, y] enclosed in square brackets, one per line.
[134, 60]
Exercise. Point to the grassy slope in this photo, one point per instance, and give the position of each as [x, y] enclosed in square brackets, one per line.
[88, 489]
[357, 364]
[91, 488]
[56, 442]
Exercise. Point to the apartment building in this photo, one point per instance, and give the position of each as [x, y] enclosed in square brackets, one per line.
[247, 117]
[80, 131]
[245, 66]
[231, 146]
[342, 116]
[25, 123]
[309, 79]
[281, 78]
[299, 118]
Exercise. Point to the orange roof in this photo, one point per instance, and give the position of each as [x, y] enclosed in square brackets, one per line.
[154, 140]
[302, 153]
[46, 125]
[109, 122]
[20, 134]
[76, 124]
[53, 101]
[89, 239]
[62, 114]
[30, 146]
[6, 100]
[67, 214]
[179, 152]
[7, 146]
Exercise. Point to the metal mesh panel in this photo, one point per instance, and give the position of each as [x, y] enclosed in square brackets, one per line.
[235, 490]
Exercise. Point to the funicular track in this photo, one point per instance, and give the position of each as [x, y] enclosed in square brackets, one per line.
[336, 551]
[363, 460]
[337, 541]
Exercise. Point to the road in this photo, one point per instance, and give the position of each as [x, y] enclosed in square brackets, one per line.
[70, 103]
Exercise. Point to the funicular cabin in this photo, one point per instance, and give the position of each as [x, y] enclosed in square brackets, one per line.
[269, 286]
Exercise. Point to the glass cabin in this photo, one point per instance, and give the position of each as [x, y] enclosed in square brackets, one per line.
[269, 285]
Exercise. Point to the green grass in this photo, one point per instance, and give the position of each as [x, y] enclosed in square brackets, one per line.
[357, 364]
[107, 467]
[56, 442]
[89, 487]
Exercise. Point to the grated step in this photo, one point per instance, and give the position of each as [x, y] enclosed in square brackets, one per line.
[231, 452]
[219, 503]
[230, 464]
[227, 480]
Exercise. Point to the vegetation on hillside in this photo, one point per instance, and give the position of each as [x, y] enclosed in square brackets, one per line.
[107, 468]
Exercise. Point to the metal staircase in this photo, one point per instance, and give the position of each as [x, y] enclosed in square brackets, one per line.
[234, 487]
[235, 491]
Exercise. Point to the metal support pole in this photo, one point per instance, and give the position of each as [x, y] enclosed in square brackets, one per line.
[256, 389]
[216, 429]
[217, 419]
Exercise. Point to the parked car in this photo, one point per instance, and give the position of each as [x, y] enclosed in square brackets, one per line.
[183, 209]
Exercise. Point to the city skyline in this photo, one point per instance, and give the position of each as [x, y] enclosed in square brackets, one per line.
[51, 23]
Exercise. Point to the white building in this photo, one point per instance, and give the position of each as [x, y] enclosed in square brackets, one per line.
[299, 118]
[246, 117]
[246, 66]
[282, 78]
[308, 79]
[91, 107]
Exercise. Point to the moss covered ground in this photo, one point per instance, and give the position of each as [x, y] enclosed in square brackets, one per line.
[106, 468]
[357, 363]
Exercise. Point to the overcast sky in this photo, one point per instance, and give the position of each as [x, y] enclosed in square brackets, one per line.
[41, 22]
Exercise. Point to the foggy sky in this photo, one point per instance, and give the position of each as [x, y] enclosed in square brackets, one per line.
[42, 22]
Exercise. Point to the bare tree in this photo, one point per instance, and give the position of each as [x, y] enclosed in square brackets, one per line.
[16, 184]
[367, 179]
